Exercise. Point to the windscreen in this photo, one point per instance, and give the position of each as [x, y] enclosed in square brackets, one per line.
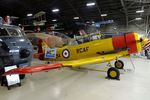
[12, 32]
[3, 32]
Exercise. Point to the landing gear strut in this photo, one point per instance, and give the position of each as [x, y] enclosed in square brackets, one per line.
[113, 73]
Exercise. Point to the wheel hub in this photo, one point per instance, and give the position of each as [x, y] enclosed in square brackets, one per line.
[119, 64]
[113, 74]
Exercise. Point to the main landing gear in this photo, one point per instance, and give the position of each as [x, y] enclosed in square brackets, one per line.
[119, 64]
[113, 72]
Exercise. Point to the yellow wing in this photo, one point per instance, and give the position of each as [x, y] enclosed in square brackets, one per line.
[94, 60]
[74, 63]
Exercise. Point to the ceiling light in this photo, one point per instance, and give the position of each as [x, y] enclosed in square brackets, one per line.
[76, 18]
[90, 4]
[55, 10]
[29, 15]
[138, 18]
[139, 11]
[103, 15]
[54, 20]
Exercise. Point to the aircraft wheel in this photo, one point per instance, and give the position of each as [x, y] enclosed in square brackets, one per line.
[113, 73]
[119, 64]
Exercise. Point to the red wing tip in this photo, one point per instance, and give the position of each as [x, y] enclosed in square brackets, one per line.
[33, 69]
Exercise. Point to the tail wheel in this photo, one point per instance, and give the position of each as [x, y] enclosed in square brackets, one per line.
[119, 64]
[113, 73]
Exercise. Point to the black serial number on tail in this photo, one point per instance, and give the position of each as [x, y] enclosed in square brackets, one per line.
[82, 50]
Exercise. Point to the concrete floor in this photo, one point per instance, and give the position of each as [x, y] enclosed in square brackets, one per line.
[67, 84]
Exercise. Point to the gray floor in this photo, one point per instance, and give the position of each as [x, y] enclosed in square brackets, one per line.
[67, 84]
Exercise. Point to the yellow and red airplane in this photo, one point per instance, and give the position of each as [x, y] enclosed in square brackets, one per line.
[96, 51]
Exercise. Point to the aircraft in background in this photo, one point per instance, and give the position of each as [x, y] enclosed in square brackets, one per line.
[15, 47]
[89, 52]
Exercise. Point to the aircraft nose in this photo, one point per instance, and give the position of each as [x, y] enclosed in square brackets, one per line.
[144, 40]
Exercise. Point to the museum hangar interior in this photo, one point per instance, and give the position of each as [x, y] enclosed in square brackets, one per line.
[74, 49]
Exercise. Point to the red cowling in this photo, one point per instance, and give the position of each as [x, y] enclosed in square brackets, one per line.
[126, 41]
[131, 43]
[119, 42]
[33, 69]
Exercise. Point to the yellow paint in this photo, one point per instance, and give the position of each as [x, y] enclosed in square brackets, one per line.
[144, 41]
[93, 47]
[87, 53]
[44, 46]
[113, 74]
[138, 44]
[94, 60]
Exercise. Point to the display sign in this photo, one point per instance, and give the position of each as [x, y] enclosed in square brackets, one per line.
[50, 53]
[12, 79]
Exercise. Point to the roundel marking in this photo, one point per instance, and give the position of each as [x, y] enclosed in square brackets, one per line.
[66, 53]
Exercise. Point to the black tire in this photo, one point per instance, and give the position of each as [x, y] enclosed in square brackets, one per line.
[22, 76]
[119, 64]
[113, 73]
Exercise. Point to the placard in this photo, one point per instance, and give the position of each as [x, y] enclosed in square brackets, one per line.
[12, 79]
[50, 53]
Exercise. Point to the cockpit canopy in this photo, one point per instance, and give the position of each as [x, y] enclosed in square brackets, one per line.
[6, 30]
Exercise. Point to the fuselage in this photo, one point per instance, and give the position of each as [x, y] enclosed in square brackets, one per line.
[15, 48]
[129, 43]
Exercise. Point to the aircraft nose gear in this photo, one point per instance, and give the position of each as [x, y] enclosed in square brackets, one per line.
[113, 73]
[119, 64]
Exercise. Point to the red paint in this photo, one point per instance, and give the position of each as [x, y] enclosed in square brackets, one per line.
[131, 43]
[119, 42]
[40, 50]
[127, 41]
[39, 56]
[39, 68]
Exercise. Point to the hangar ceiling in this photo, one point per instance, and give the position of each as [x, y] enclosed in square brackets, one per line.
[121, 11]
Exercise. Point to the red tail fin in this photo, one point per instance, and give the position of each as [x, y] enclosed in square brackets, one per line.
[40, 50]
